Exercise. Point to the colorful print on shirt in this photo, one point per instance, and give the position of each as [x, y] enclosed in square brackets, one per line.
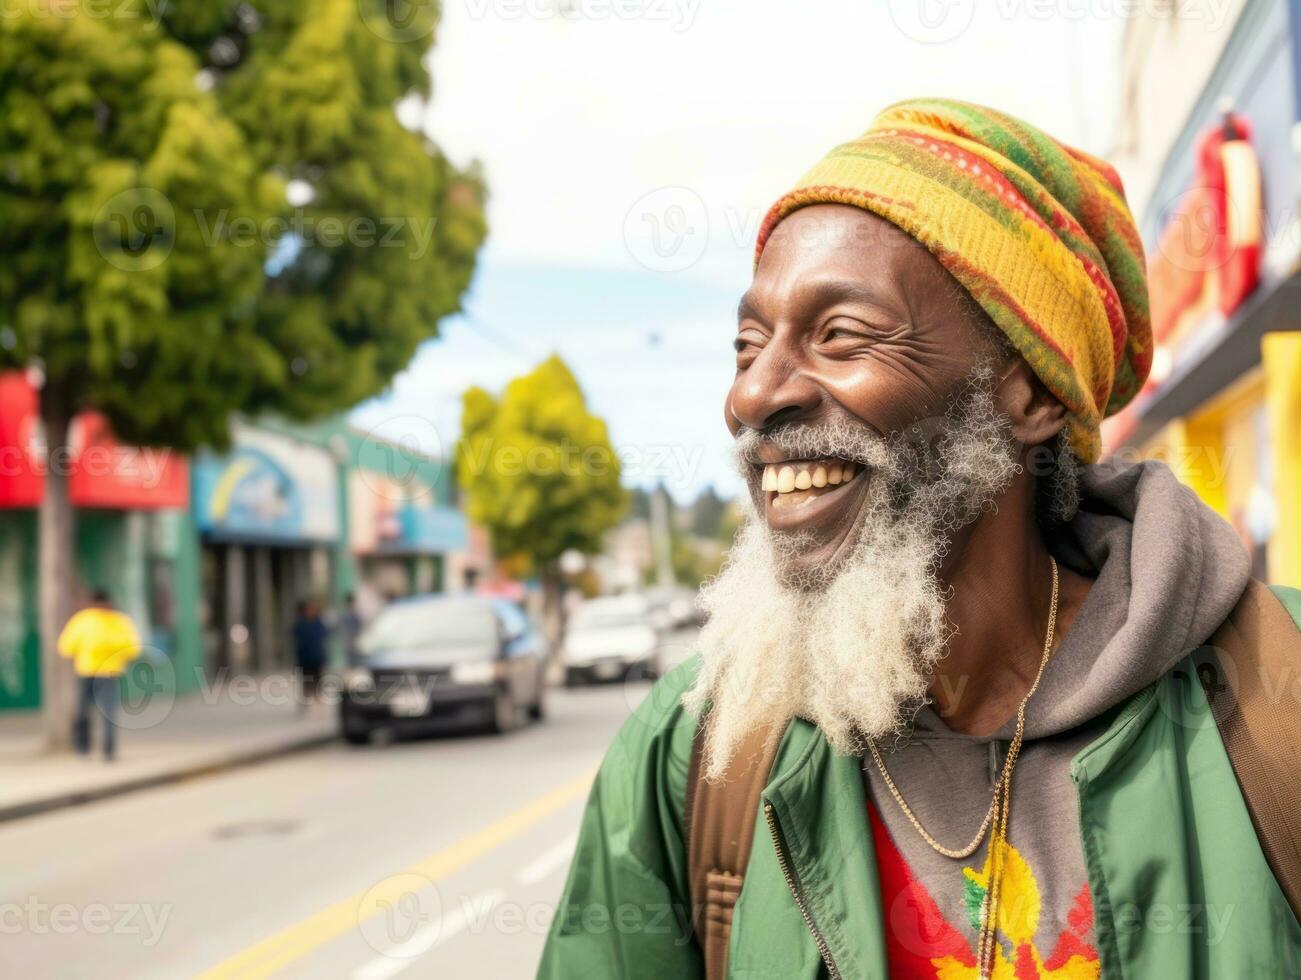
[922, 945]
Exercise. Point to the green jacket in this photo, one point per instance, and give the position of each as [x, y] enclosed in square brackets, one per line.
[1167, 841]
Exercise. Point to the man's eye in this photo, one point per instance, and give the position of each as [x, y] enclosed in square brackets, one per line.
[845, 330]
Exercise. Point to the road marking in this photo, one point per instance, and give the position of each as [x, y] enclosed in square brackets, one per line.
[403, 954]
[274, 953]
[399, 957]
[548, 861]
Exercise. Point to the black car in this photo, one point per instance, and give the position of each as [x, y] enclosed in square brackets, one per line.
[444, 658]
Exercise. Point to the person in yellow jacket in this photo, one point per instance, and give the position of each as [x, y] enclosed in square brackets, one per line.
[101, 641]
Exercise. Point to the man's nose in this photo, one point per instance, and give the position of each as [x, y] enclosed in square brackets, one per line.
[772, 389]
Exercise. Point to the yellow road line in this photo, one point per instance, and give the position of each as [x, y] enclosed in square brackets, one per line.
[265, 958]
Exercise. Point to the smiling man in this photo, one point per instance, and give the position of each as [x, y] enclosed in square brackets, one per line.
[944, 720]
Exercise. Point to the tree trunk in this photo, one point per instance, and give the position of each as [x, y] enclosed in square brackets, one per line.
[55, 572]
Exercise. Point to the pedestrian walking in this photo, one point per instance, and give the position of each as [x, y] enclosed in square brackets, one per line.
[100, 641]
[310, 633]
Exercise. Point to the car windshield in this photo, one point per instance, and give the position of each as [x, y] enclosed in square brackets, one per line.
[449, 625]
[607, 619]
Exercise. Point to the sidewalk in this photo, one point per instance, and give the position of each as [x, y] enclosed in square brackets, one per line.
[195, 734]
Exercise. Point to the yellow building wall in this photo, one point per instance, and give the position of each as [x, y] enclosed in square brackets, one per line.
[1194, 448]
[1281, 360]
[1244, 444]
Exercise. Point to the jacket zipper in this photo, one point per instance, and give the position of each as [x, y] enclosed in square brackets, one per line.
[794, 887]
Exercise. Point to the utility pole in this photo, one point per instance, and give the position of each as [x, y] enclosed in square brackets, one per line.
[660, 540]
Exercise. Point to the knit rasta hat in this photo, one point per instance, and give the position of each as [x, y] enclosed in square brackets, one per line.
[1038, 232]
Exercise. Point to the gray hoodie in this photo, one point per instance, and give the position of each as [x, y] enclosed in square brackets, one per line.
[1167, 570]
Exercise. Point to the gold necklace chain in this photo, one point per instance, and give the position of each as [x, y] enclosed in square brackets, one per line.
[1013, 749]
[998, 807]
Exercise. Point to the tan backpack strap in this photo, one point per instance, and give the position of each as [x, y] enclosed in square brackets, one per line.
[720, 819]
[1260, 724]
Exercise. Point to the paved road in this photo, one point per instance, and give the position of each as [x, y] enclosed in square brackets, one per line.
[441, 857]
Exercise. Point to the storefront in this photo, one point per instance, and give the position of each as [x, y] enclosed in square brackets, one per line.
[131, 539]
[404, 534]
[1223, 405]
[268, 515]
[212, 556]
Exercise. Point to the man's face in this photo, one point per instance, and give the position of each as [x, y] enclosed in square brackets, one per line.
[849, 321]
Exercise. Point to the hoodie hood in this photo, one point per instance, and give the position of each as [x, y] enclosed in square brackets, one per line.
[1167, 571]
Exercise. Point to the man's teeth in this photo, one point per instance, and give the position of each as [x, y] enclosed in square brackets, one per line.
[787, 478]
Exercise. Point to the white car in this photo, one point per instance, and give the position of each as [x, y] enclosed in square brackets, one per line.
[610, 637]
[678, 607]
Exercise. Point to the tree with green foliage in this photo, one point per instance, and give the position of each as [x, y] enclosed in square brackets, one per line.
[539, 472]
[212, 206]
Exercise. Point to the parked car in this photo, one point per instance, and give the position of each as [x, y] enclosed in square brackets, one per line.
[608, 637]
[444, 658]
[678, 607]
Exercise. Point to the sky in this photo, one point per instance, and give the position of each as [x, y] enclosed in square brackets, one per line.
[631, 148]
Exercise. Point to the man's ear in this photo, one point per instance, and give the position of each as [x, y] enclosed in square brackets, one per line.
[1035, 413]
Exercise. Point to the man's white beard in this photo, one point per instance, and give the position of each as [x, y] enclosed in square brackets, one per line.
[851, 649]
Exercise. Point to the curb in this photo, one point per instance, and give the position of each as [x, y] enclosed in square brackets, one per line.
[202, 767]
